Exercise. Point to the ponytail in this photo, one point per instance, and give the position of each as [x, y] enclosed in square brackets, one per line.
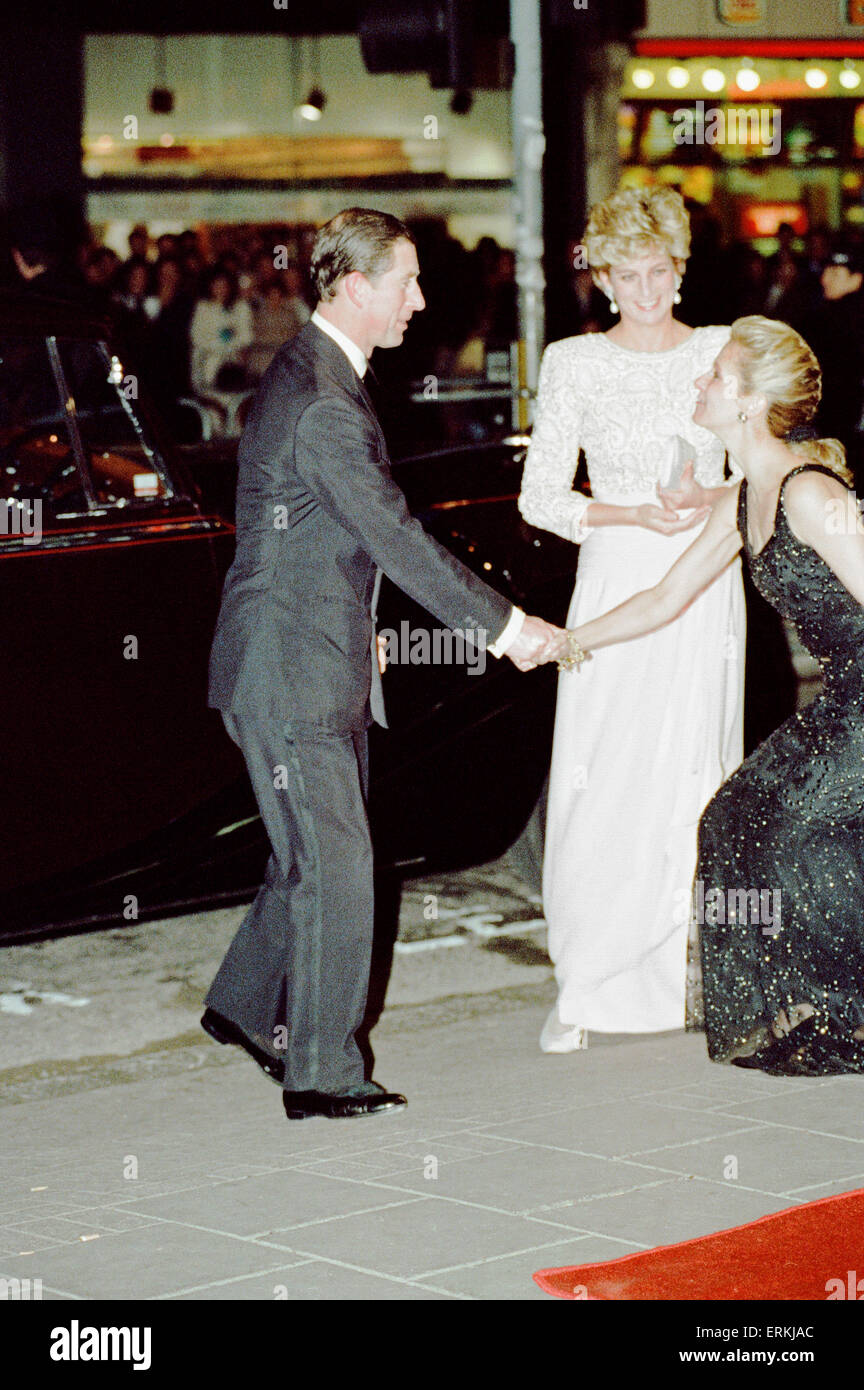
[777, 364]
[829, 452]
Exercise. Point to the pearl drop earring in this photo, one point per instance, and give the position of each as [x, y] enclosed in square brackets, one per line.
[612, 305]
[677, 298]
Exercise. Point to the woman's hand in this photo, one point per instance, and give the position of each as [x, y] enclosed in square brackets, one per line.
[667, 521]
[558, 649]
[687, 494]
[561, 650]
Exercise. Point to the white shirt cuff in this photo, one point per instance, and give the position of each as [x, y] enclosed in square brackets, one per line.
[510, 633]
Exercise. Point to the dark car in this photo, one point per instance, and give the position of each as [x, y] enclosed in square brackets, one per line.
[122, 796]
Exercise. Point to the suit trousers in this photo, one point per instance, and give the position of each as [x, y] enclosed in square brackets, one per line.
[296, 976]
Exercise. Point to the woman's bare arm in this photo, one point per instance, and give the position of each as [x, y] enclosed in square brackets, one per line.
[820, 514]
[698, 567]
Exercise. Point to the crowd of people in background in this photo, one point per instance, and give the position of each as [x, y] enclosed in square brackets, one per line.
[205, 312]
[202, 325]
[201, 320]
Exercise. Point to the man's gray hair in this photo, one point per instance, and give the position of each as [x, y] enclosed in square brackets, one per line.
[355, 239]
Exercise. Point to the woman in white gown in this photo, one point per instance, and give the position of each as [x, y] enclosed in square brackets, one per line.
[644, 740]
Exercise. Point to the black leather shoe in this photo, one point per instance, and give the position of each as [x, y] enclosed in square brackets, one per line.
[366, 1099]
[224, 1031]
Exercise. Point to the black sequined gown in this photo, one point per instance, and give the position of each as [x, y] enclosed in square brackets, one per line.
[780, 880]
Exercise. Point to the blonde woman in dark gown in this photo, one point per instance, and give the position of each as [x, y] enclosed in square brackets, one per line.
[779, 887]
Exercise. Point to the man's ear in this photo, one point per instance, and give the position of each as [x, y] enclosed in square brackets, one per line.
[357, 288]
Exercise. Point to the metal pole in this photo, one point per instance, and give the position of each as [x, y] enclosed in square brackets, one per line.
[529, 144]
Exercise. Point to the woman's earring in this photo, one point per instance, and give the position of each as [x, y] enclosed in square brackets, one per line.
[612, 305]
[677, 298]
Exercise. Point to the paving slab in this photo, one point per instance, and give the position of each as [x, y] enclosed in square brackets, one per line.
[511, 1274]
[166, 1170]
[770, 1158]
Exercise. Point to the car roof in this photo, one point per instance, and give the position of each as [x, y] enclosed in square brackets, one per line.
[32, 314]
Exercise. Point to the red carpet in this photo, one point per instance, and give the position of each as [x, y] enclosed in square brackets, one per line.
[794, 1254]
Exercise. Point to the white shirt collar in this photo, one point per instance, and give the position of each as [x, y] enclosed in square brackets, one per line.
[354, 354]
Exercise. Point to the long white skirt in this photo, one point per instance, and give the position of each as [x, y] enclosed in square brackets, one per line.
[645, 733]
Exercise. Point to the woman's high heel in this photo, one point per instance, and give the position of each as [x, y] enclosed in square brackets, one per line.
[787, 1055]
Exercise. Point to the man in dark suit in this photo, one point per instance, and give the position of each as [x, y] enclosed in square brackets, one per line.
[318, 515]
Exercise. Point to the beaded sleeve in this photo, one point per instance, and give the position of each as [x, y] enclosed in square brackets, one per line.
[547, 498]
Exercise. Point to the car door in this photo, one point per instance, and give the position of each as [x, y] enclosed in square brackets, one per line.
[109, 585]
[456, 775]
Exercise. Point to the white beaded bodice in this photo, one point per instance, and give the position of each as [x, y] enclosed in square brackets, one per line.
[624, 409]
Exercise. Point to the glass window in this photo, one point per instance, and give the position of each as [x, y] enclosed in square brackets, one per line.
[124, 463]
[37, 455]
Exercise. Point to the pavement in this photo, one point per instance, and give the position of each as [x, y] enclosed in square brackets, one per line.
[143, 1161]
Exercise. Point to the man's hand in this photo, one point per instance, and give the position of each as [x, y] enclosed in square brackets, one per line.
[537, 642]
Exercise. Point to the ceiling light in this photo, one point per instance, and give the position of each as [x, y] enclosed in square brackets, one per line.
[713, 80]
[643, 78]
[849, 78]
[747, 78]
[677, 77]
[816, 78]
[312, 108]
[161, 98]
[161, 101]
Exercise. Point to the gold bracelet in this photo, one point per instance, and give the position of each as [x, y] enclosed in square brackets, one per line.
[576, 654]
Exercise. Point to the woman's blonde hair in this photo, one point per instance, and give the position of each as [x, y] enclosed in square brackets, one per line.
[634, 222]
[775, 362]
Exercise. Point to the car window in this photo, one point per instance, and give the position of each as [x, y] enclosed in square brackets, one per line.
[123, 462]
[37, 457]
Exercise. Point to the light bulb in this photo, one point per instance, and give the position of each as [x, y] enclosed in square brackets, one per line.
[747, 79]
[816, 78]
[713, 80]
[312, 108]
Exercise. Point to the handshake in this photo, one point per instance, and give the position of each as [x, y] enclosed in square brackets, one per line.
[540, 642]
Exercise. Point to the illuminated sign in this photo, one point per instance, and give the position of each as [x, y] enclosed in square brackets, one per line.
[743, 11]
[764, 219]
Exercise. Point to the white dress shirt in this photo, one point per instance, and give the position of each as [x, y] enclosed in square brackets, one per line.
[356, 356]
[359, 362]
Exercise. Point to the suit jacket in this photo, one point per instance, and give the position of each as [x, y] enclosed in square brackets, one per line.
[317, 512]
